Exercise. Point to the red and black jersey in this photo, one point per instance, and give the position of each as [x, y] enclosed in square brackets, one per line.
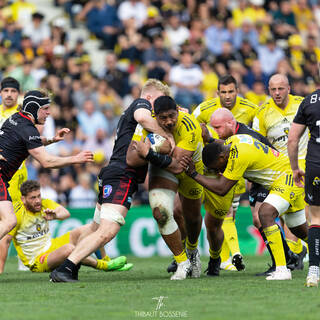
[17, 135]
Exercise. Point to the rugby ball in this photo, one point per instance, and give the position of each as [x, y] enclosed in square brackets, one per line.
[156, 141]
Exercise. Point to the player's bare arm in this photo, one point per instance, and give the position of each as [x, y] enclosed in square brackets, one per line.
[221, 185]
[4, 247]
[61, 133]
[295, 133]
[50, 161]
[59, 213]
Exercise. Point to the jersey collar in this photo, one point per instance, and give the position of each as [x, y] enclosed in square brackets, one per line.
[24, 116]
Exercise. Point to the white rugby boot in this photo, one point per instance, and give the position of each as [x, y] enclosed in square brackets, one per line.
[227, 265]
[313, 277]
[194, 258]
[281, 273]
[183, 271]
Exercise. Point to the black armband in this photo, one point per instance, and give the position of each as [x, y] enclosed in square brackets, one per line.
[193, 174]
[158, 159]
[211, 140]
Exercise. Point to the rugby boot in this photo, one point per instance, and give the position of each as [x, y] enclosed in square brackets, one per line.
[116, 263]
[227, 265]
[213, 269]
[58, 276]
[184, 270]
[267, 272]
[172, 267]
[237, 261]
[194, 258]
[281, 273]
[299, 264]
[126, 267]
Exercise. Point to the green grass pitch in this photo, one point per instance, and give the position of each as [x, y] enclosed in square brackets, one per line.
[135, 295]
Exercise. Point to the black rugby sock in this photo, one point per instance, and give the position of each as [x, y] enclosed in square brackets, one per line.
[314, 245]
[68, 267]
[267, 244]
[285, 247]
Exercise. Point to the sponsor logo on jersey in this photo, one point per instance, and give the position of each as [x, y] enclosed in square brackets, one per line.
[14, 123]
[1, 132]
[129, 199]
[278, 189]
[221, 212]
[107, 190]
[34, 138]
[316, 181]
[292, 195]
[195, 191]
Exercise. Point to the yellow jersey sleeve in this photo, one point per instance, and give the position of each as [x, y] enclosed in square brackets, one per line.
[205, 109]
[49, 204]
[188, 133]
[212, 132]
[139, 133]
[238, 160]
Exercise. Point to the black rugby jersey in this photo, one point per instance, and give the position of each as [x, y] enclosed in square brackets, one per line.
[241, 128]
[125, 130]
[308, 114]
[17, 135]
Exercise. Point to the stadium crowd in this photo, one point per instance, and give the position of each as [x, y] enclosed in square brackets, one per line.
[187, 44]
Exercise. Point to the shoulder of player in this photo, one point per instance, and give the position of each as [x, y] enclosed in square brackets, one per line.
[247, 103]
[263, 108]
[208, 104]
[140, 103]
[188, 121]
[48, 204]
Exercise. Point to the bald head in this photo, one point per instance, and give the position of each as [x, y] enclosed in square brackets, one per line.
[223, 122]
[279, 90]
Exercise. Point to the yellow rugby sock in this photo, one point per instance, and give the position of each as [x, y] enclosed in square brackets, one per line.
[274, 239]
[214, 254]
[231, 235]
[106, 258]
[225, 251]
[101, 264]
[295, 246]
[181, 257]
[191, 246]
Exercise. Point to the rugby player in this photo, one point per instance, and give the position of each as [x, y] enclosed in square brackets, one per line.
[308, 115]
[163, 184]
[224, 123]
[19, 138]
[244, 112]
[273, 121]
[244, 156]
[117, 182]
[31, 235]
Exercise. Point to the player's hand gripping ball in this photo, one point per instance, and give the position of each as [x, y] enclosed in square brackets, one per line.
[159, 143]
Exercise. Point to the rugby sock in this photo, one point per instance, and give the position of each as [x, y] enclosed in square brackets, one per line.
[225, 251]
[231, 235]
[267, 245]
[191, 246]
[181, 257]
[295, 246]
[314, 245]
[183, 241]
[214, 254]
[285, 247]
[102, 265]
[68, 267]
[273, 236]
[106, 258]
[98, 254]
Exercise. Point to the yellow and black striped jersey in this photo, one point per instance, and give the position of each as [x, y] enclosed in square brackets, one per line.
[243, 110]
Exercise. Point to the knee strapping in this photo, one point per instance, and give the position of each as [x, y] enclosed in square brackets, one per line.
[163, 199]
[109, 213]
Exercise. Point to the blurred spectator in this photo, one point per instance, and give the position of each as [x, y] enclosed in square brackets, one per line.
[152, 26]
[82, 195]
[227, 56]
[216, 34]
[46, 189]
[132, 12]
[22, 11]
[269, 56]
[116, 78]
[176, 32]
[72, 8]
[284, 21]
[210, 81]
[157, 59]
[78, 51]
[302, 13]
[38, 30]
[247, 54]
[101, 142]
[257, 95]
[102, 20]
[255, 74]
[89, 115]
[58, 32]
[186, 77]
[248, 33]
[24, 76]
[295, 54]
[12, 33]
